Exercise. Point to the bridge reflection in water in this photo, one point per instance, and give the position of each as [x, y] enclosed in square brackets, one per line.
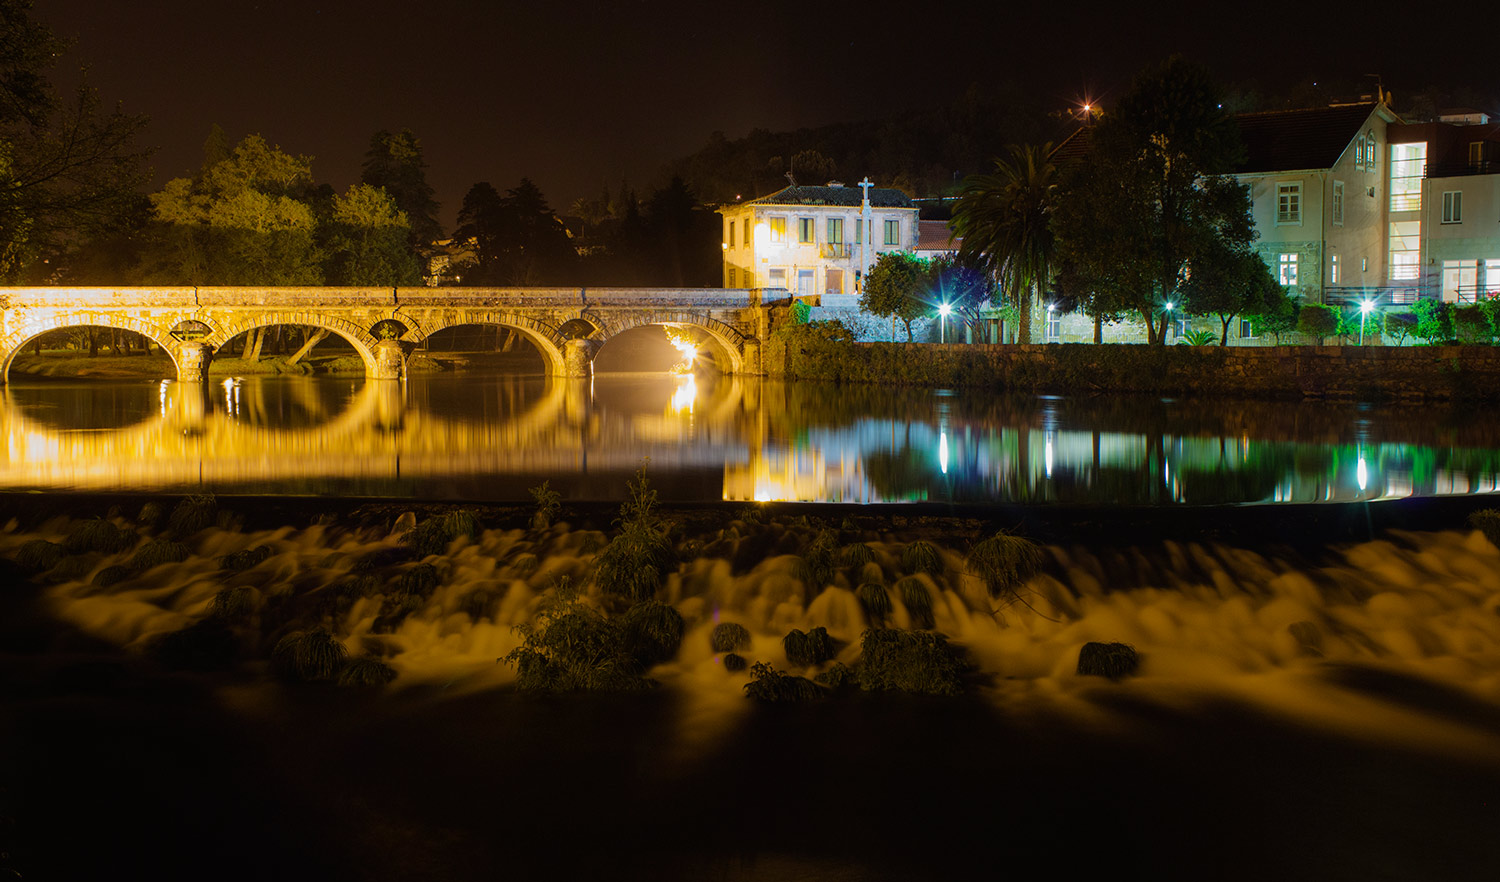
[722, 437]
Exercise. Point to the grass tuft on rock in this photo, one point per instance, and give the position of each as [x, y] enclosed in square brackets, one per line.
[97, 534]
[770, 685]
[192, 514]
[909, 661]
[418, 581]
[364, 672]
[1487, 521]
[806, 650]
[918, 602]
[240, 561]
[729, 637]
[1112, 660]
[233, 604]
[921, 557]
[819, 563]
[157, 552]
[151, 514]
[39, 554]
[839, 677]
[434, 535]
[1004, 562]
[653, 632]
[308, 656]
[734, 662]
[75, 566]
[876, 603]
[856, 554]
[110, 575]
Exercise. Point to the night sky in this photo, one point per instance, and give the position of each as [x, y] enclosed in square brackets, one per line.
[577, 95]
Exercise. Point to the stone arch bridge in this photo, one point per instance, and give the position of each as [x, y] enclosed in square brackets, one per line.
[567, 325]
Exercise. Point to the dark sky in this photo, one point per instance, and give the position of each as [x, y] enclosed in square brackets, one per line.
[579, 94]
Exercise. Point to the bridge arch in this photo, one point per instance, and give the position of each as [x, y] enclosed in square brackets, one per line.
[729, 338]
[358, 337]
[547, 339]
[160, 334]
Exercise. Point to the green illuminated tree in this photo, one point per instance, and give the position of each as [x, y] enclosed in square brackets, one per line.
[896, 287]
[367, 241]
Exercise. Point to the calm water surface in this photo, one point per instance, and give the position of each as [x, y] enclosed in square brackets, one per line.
[482, 437]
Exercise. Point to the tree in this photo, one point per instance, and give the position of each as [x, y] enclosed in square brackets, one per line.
[962, 284]
[368, 240]
[394, 162]
[69, 171]
[1229, 282]
[1317, 321]
[1005, 221]
[1278, 315]
[1153, 201]
[481, 218]
[519, 239]
[895, 287]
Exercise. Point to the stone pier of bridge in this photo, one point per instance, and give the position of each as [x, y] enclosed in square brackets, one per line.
[568, 326]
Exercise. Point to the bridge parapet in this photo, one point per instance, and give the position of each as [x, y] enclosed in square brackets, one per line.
[84, 298]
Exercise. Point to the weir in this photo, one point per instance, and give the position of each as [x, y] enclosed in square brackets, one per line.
[568, 326]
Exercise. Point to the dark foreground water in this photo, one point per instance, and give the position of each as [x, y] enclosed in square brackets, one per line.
[709, 438]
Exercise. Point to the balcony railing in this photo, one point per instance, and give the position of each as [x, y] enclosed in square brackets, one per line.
[835, 250]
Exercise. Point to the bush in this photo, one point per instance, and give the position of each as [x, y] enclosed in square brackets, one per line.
[39, 554]
[157, 552]
[1434, 320]
[909, 661]
[193, 514]
[1395, 327]
[308, 656]
[653, 632]
[918, 602]
[729, 637]
[811, 648]
[768, 684]
[96, 534]
[1487, 521]
[1112, 660]
[573, 647]
[244, 560]
[1318, 321]
[1004, 562]
[818, 566]
[548, 504]
[208, 645]
[1471, 324]
[921, 557]
[635, 561]
[366, 671]
[434, 535]
[876, 603]
[734, 662]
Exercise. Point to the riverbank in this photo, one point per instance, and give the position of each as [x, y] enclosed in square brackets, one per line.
[1330, 709]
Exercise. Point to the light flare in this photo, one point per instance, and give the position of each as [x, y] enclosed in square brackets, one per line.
[684, 343]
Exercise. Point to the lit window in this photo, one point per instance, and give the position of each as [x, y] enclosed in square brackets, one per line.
[892, 232]
[1408, 164]
[1054, 325]
[1453, 206]
[835, 231]
[1406, 249]
[1287, 269]
[778, 230]
[730, 241]
[1476, 154]
[1333, 270]
[804, 230]
[1247, 329]
[1492, 278]
[1370, 150]
[1288, 204]
[1338, 203]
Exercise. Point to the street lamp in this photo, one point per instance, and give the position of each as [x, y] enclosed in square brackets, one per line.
[1364, 311]
[943, 310]
[1169, 321]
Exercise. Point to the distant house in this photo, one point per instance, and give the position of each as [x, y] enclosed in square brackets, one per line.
[935, 239]
[810, 240]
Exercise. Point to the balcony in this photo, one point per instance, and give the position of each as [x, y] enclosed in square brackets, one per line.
[835, 250]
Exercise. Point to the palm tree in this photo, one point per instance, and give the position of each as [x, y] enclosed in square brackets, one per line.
[1004, 220]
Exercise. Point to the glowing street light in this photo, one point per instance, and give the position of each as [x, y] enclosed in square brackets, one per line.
[1168, 307]
[1364, 312]
[943, 310]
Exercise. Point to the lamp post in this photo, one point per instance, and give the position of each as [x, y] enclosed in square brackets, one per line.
[943, 310]
[1169, 321]
[1364, 312]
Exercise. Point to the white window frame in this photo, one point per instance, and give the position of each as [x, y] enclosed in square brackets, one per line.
[1333, 270]
[771, 275]
[1054, 325]
[1289, 204]
[1286, 269]
[1453, 206]
[893, 232]
[807, 230]
[1337, 212]
[835, 231]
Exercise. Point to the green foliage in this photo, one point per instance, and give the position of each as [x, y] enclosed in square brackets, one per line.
[1471, 323]
[367, 239]
[770, 685]
[918, 602]
[1004, 562]
[308, 656]
[897, 285]
[572, 647]
[653, 632]
[875, 602]
[394, 163]
[244, 559]
[1112, 660]
[155, 553]
[1318, 321]
[921, 557]
[909, 661]
[97, 534]
[434, 535]
[1487, 521]
[1395, 327]
[1198, 338]
[1434, 321]
[636, 561]
[193, 514]
[548, 504]
[729, 637]
[365, 671]
[801, 312]
[1278, 316]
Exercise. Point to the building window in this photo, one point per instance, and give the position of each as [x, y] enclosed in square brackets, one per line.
[1054, 325]
[1338, 203]
[1287, 269]
[833, 281]
[1408, 163]
[892, 232]
[778, 230]
[1406, 249]
[776, 278]
[732, 278]
[1247, 329]
[1476, 155]
[746, 233]
[1288, 204]
[804, 282]
[835, 231]
[1460, 281]
[1370, 156]
[1453, 206]
[804, 230]
[730, 240]
[1333, 270]
[1492, 278]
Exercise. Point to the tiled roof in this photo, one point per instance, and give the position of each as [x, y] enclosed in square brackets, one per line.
[1289, 140]
[935, 236]
[846, 195]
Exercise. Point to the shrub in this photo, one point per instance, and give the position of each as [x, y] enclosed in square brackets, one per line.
[1395, 327]
[232, 604]
[921, 557]
[1112, 660]
[157, 552]
[433, 535]
[366, 671]
[110, 575]
[1487, 521]
[635, 561]
[918, 602]
[1434, 320]
[729, 637]
[817, 567]
[1471, 324]
[653, 632]
[574, 647]
[208, 645]
[308, 656]
[768, 684]
[96, 534]
[548, 504]
[909, 661]
[193, 514]
[1318, 321]
[1200, 337]
[39, 554]
[838, 677]
[244, 560]
[734, 663]
[1004, 562]
[876, 603]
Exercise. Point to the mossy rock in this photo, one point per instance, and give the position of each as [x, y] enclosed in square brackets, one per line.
[96, 534]
[1112, 660]
[910, 661]
[418, 581]
[808, 649]
[734, 662]
[38, 555]
[839, 677]
[381, 558]
[192, 515]
[819, 562]
[157, 552]
[770, 685]
[240, 561]
[918, 602]
[524, 565]
[434, 535]
[1487, 521]
[876, 603]
[1004, 562]
[922, 557]
[110, 575]
[653, 632]
[75, 567]
[729, 637]
[233, 604]
[308, 656]
[151, 514]
[364, 672]
[856, 555]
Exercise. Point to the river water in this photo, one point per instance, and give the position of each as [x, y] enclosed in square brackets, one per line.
[478, 436]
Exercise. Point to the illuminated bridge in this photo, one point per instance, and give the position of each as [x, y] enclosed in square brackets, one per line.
[567, 325]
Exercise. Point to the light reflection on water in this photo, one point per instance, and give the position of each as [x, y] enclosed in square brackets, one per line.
[709, 438]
